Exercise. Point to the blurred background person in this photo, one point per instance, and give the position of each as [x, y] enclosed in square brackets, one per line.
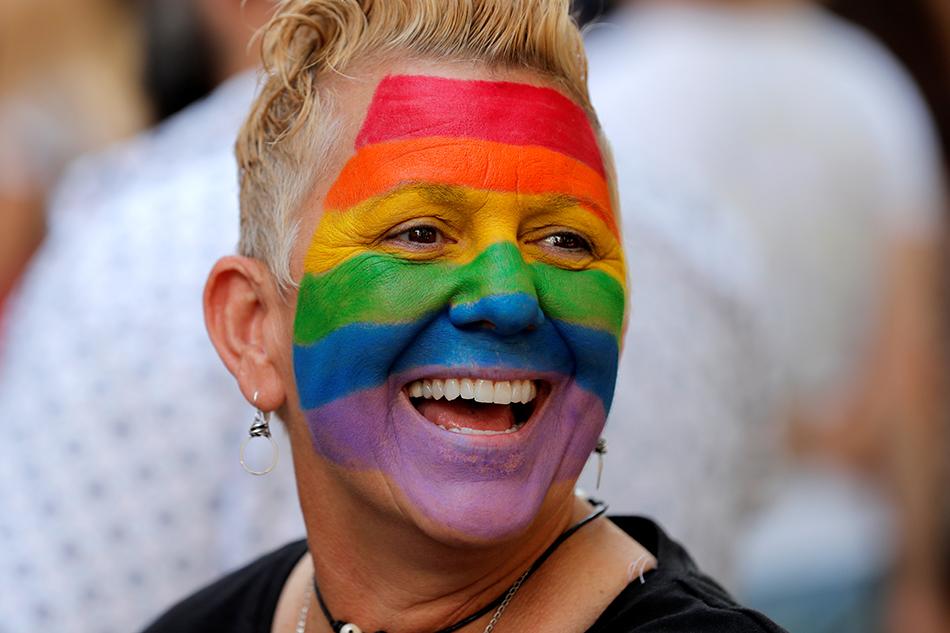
[813, 138]
[685, 443]
[125, 490]
[69, 84]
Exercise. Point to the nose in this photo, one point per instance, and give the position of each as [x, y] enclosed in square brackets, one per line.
[498, 294]
[505, 314]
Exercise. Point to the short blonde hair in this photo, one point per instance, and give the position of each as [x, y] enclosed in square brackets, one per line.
[283, 145]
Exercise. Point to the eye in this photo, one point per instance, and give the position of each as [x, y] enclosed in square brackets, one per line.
[568, 241]
[421, 235]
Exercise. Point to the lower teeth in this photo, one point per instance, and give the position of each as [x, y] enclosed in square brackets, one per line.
[467, 431]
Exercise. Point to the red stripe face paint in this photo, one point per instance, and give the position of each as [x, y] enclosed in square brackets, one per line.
[407, 107]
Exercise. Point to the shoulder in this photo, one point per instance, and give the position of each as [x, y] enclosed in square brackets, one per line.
[679, 605]
[244, 601]
[676, 597]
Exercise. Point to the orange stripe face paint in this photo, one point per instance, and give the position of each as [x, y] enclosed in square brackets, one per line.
[487, 165]
[470, 238]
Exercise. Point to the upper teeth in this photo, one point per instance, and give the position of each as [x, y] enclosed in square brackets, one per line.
[487, 391]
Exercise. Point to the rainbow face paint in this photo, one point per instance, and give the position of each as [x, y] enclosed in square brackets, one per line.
[501, 179]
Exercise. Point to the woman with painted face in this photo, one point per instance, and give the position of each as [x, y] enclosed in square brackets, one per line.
[431, 295]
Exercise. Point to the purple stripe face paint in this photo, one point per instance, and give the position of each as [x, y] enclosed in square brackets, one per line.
[482, 486]
[409, 294]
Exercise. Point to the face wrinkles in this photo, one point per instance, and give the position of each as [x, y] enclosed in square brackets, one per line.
[470, 238]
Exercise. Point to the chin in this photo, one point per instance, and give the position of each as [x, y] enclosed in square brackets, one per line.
[473, 468]
[473, 515]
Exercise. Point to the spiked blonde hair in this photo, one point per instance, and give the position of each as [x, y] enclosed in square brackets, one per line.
[285, 141]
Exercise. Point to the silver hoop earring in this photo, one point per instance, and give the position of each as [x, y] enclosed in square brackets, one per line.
[260, 427]
[601, 450]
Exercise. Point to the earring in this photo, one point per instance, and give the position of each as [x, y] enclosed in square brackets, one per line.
[601, 450]
[260, 427]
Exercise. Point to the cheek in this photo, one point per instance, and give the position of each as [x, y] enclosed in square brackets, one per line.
[587, 308]
[353, 322]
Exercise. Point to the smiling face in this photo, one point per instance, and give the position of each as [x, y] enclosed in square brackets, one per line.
[459, 316]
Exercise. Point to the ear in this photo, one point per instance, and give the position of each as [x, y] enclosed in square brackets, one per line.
[242, 307]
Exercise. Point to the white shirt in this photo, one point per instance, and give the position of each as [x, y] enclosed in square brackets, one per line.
[806, 138]
[122, 485]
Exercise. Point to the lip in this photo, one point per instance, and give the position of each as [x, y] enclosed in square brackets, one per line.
[548, 386]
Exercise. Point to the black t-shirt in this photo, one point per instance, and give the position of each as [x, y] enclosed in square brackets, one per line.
[675, 598]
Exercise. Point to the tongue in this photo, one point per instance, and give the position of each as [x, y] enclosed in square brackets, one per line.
[467, 414]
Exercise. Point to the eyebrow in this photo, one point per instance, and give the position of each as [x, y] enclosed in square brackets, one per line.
[449, 195]
[554, 202]
[453, 196]
[445, 195]
[437, 194]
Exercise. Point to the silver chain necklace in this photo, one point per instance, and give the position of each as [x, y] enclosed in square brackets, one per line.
[504, 603]
[304, 611]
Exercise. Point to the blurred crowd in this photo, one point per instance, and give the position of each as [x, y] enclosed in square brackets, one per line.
[782, 406]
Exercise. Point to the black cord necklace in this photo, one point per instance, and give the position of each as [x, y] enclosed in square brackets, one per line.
[599, 510]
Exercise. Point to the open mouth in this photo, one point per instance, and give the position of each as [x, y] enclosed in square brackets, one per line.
[476, 406]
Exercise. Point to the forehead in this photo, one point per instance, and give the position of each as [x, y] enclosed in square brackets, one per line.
[501, 136]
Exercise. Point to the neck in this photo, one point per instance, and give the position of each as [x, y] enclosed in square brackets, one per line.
[416, 582]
